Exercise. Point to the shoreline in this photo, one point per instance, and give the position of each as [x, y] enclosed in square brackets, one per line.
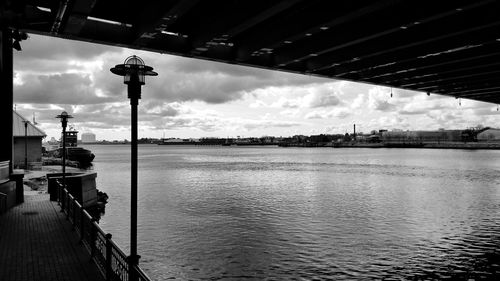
[450, 145]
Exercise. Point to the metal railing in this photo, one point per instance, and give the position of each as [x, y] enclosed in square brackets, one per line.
[111, 261]
[3, 202]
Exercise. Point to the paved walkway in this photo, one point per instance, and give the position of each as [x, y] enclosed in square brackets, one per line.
[37, 243]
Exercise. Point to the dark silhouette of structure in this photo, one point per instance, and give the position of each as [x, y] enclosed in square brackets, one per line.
[134, 72]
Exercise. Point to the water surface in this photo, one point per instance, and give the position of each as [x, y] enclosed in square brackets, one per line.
[232, 213]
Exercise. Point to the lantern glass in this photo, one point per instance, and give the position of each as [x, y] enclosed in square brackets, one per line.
[133, 69]
[134, 66]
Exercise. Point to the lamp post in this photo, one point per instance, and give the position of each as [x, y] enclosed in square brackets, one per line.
[64, 116]
[134, 71]
[26, 144]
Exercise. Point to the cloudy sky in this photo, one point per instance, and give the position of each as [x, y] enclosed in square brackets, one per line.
[195, 98]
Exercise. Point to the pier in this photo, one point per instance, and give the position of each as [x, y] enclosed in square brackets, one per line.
[48, 240]
[37, 242]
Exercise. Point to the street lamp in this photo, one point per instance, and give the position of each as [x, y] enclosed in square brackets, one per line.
[26, 144]
[134, 71]
[64, 116]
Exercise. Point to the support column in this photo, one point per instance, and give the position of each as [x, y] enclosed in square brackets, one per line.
[6, 95]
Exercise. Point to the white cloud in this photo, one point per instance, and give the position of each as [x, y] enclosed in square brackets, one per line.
[378, 99]
[359, 101]
[328, 114]
[193, 97]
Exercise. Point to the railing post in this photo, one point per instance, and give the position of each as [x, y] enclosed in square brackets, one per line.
[82, 224]
[74, 215]
[133, 261]
[109, 270]
[68, 203]
[63, 199]
[58, 192]
[93, 238]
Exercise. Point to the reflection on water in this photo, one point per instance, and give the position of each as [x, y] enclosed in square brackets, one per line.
[225, 213]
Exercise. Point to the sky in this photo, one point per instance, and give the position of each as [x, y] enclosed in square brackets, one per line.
[192, 98]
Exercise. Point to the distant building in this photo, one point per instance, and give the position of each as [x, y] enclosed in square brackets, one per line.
[489, 135]
[422, 136]
[32, 139]
[88, 137]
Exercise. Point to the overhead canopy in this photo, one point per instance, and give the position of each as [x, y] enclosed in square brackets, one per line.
[443, 47]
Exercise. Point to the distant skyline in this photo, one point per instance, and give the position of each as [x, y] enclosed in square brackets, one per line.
[195, 98]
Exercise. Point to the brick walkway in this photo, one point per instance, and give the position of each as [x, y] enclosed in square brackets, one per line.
[37, 243]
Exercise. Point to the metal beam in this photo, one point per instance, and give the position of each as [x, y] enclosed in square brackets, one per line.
[457, 87]
[77, 18]
[467, 55]
[446, 43]
[455, 81]
[388, 29]
[234, 25]
[60, 16]
[476, 91]
[310, 20]
[158, 17]
[416, 76]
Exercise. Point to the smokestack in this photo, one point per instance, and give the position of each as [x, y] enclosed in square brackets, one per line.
[354, 131]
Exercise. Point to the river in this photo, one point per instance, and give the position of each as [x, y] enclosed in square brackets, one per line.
[270, 213]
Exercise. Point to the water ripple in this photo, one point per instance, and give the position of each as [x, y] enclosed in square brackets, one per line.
[319, 214]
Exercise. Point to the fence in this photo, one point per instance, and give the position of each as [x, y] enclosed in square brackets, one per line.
[3, 202]
[110, 260]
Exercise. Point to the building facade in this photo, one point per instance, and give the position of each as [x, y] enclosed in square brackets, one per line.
[88, 138]
[29, 137]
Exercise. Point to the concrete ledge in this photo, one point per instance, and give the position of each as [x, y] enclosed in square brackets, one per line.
[81, 185]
